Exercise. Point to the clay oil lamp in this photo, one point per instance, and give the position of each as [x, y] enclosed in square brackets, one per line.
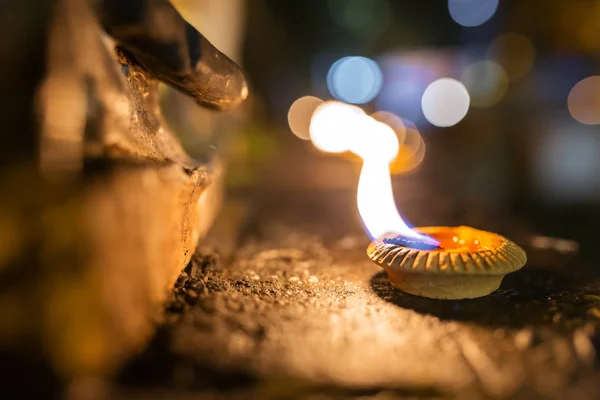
[436, 262]
[460, 262]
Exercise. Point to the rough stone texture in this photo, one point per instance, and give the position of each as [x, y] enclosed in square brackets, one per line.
[301, 312]
[105, 207]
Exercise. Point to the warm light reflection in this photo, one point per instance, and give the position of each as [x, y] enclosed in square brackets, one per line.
[486, 82]
[355, 80]
[584, 101]
[410, 156]
[515, 53]
[300, 113]
[338, 127]
[445, 102]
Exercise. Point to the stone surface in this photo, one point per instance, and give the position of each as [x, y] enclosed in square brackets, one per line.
[301, 312]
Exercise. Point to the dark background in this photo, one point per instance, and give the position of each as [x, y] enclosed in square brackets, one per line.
[525, 156]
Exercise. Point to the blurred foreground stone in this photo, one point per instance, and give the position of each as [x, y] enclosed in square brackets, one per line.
[101, 208]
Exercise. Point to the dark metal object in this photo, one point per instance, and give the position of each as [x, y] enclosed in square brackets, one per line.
[173, 51]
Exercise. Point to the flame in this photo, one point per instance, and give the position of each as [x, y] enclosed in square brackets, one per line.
[337, 127]
[331, 126]
[376, 204]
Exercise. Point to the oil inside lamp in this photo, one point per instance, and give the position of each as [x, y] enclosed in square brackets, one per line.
[446, 239]
[437, 262]
[412, 243]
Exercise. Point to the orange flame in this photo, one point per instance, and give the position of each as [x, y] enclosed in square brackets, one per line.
[337, 127]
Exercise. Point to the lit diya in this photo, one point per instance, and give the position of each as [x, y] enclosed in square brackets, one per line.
[436, 262]
[459, 263]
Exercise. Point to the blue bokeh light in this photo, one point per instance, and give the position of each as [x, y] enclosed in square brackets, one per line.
[472, 12]
[406, 79]
[355, 80]
[565, 160]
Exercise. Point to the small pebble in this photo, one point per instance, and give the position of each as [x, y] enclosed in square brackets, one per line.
[556, 318]
[348, 243]
[523, 339]
[583, 346]
[595, 311]
[191, 294]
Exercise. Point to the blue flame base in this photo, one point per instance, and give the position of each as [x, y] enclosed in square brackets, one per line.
[411, 242]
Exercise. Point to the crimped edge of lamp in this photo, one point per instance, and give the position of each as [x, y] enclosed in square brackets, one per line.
[450, 273]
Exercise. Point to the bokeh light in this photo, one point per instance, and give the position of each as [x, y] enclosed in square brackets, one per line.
[515, 53]
[411, 153]
[409, 156]
[412, 139]
[364, 18]
[412, 145]
[584, 101]
[403, 97]
[578, 27]
[565, 161]
[300, 114]
[472, 12]
[445, 102]
[486, 82]
[406, 75]
[355, 80]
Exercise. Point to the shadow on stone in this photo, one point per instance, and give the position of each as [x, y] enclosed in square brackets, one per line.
[525, 298]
